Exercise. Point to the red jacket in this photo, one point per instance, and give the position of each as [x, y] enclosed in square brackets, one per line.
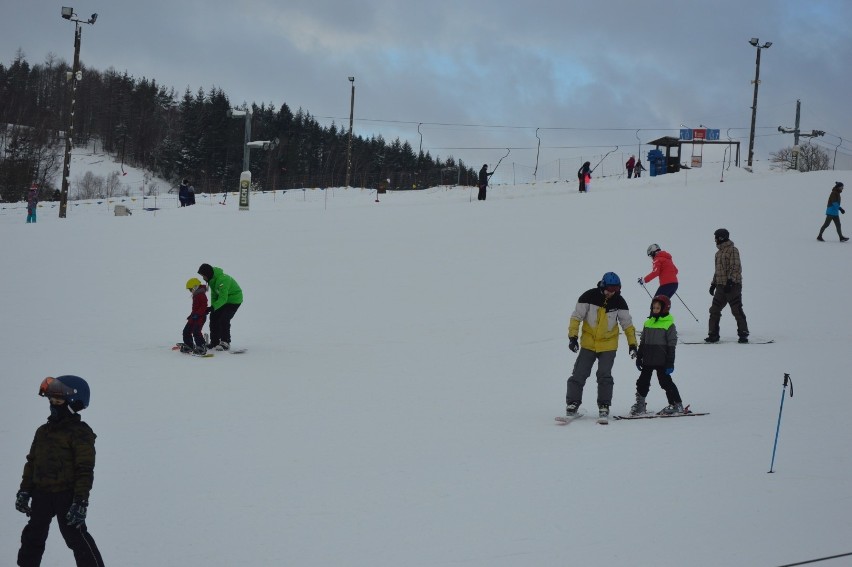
[663, 268]
[630, 163]
[199, 302]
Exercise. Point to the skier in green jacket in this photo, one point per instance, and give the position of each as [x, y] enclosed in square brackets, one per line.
[225, 298]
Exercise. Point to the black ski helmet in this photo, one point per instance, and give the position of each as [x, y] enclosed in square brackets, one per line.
[722, 234]
[73, 389]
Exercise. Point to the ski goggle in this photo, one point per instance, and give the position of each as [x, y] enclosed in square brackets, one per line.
[53, 388]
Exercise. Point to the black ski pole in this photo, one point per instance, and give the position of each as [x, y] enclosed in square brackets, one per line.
[642, 283]
[778, 427]
[687, 308]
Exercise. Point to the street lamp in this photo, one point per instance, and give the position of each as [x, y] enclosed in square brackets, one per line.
[756, 43]
[349, 145]
[74, 77]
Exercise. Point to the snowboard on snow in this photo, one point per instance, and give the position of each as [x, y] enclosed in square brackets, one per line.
[210, 353]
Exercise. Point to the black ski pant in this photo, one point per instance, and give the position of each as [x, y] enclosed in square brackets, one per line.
[46, 505]
[193, 331]
[734, 298]
[220, 323]
[582, 184]
[828, 220]
[643, 383]
[481, 195]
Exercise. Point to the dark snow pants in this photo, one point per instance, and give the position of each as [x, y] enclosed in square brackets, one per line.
[220, 323]
[192, 330]
[828, 220]
[45, 506]
[482, 190]
[643, 383]
[583, 368]
[720, 300]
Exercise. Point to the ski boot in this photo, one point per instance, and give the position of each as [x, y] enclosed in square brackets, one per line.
[672, 409]
[639, 407]
[200, 350]
[603, 414]
[223, 346]
[185, 348]
[571, 409]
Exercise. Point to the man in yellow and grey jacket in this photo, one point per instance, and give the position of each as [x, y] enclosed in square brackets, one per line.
[600, 310]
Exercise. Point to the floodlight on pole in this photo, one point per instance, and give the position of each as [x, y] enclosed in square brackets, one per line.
[75, 76]
[349, 144]
[755, 42]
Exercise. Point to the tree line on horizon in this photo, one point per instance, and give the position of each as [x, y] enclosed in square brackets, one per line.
[146, 125]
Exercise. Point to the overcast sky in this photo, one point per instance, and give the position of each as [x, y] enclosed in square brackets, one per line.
[479, 77]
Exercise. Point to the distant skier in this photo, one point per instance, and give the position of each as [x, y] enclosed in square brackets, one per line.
[32, 203]
[183, 193]
[196, 319]
[225, 298]
[58, 476]
[631, 163]
[662, 268]
[657, 353]
[483, 181]
[832, 213]
[637, 171]
[727, 287]
[584, 175]
[600, 310]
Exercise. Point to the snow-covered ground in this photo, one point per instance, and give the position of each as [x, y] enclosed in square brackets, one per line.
[405, 362]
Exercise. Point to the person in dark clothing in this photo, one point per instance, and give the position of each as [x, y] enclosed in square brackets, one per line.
[638, 169]
[631, 163]
[183, 193]
[226, 296]
[833, 212]
[582, 174]
[58, 476]
[483, 181]
[657, 352]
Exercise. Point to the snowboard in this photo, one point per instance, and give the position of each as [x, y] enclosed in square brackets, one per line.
[205, 355]
[209, 353]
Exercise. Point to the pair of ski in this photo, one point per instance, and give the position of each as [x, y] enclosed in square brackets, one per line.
[209, 354]
[565, 420]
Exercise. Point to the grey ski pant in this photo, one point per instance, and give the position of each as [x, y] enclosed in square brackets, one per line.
[583, 368]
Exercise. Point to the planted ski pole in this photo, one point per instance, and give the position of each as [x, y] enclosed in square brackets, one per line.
[642, 283]
[778, 427]
[687, 307]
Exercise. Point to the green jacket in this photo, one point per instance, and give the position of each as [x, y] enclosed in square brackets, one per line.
[62, 457]
[659, 339]
[223, 289]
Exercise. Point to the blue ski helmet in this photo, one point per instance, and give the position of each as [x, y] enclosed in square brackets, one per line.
[73, 389]
[610, 279]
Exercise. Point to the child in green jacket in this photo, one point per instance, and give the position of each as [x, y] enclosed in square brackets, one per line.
[657, 352]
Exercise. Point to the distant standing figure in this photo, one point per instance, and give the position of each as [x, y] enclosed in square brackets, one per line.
[584, 175]
[32, 203]
[483, 181]
[183, 193]
[662, 268]
[637, 171]
[832, 213]
[727, 287]
[190, 198]
[631, 163]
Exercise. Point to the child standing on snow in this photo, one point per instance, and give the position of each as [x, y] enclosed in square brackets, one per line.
[197, 318]
[657, 352]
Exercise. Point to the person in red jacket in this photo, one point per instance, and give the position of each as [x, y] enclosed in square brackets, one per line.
[197, 318]
[664, 269]
[631, 163]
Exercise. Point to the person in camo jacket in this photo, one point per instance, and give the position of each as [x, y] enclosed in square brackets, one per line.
[727, 287]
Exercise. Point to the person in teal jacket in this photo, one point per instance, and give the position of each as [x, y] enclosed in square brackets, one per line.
[833, 212]
[226, 296]
[657, 352]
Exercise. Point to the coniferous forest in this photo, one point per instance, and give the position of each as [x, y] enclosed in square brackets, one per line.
[147, 125]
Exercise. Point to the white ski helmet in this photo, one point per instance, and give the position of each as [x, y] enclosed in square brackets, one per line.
[653, 249]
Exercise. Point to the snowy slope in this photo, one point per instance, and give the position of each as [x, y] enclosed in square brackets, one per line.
[406, 360]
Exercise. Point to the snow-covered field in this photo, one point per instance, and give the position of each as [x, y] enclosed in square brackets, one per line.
[405, 362]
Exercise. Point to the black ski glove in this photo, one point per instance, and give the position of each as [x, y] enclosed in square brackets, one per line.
[573, 345]
[76, 515]
[640, 281]
[22, 502]
[729, 286]
[842, 212]
[633, 351]
[639, 364]
[712, 289]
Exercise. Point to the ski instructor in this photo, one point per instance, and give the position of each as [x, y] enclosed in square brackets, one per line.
[225, 298]
[601, 310]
